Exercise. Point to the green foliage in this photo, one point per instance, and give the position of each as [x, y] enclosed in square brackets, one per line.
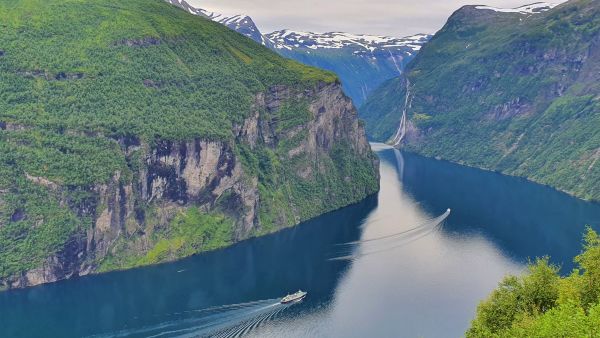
[506, 93]
[589, 261]
[296, 188]
[190, 232]
[65, 159]
[542, 304]
[33, 226]
[135, 67]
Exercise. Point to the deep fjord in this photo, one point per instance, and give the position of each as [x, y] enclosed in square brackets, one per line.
[427, 287]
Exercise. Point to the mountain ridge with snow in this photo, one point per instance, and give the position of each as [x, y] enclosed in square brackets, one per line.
[362, 61]
[240, 23]
[534, 8]
[289, 39]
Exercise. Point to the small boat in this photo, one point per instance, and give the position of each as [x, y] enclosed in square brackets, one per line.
[294, 297]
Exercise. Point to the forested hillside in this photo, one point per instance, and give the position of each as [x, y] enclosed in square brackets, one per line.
[132, 132]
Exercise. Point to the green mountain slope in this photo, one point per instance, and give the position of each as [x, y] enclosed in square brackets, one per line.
[132, 132]
[517, 93]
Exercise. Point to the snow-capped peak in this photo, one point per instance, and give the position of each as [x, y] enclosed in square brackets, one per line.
[359, 44]
[534, 8]
[289, 39]
[239, 22]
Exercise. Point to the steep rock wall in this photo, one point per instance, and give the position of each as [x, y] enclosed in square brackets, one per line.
[169, 177]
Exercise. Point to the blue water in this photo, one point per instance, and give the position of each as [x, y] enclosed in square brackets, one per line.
[427, 286]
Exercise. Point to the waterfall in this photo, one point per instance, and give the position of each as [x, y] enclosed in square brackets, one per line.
[395, 63]
[401, 132]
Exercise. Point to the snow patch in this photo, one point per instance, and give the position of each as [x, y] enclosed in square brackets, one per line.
[534, 8]
[360, 44]
[336, 40]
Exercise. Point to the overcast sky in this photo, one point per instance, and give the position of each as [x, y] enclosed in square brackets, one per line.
[381, 17]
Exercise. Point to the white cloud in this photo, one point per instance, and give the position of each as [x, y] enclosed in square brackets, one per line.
[382, 17]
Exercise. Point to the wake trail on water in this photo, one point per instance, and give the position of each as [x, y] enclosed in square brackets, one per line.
[232, 320]
[385, 243]
[246, 327]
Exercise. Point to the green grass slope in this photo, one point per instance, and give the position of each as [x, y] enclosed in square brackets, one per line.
[508, 92]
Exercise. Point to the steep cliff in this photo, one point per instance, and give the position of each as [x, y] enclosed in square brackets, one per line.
[514, 91]
[159, 136]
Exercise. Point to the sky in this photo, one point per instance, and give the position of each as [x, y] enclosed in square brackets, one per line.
[379, 17]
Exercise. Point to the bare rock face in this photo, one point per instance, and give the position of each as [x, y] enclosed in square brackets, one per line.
[175, 175]
[115, 207]
[199, 172]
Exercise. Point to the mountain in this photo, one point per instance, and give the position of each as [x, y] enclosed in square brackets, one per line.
[515, 91]
[242, 24]
[363, 62]
[133, 133]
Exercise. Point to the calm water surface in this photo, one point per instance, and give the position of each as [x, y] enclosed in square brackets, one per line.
[428, 287]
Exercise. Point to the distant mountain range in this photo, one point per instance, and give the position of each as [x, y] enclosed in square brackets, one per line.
[363, 62]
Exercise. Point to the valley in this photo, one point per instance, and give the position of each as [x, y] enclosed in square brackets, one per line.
[172, 171]
[363, 62]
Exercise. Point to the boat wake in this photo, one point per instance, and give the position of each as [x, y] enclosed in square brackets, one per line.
[226, 321]
[358, 249]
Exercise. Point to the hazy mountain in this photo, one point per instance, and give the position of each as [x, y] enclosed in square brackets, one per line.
[363, 62]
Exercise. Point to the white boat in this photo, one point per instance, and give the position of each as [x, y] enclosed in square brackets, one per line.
[294, 297]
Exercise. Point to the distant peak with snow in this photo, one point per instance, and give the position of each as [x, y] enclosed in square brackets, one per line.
[534, 8]
[239, 22]
[363, 62]
[289, 39]
[360, 44]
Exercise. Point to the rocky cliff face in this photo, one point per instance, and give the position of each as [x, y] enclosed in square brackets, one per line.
[170, 177]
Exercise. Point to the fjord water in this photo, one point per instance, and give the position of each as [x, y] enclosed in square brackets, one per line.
[428, 287]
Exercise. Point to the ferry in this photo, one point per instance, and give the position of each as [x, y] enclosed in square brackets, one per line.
[294, 297]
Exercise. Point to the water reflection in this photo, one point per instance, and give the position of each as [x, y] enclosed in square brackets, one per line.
[429, 287]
